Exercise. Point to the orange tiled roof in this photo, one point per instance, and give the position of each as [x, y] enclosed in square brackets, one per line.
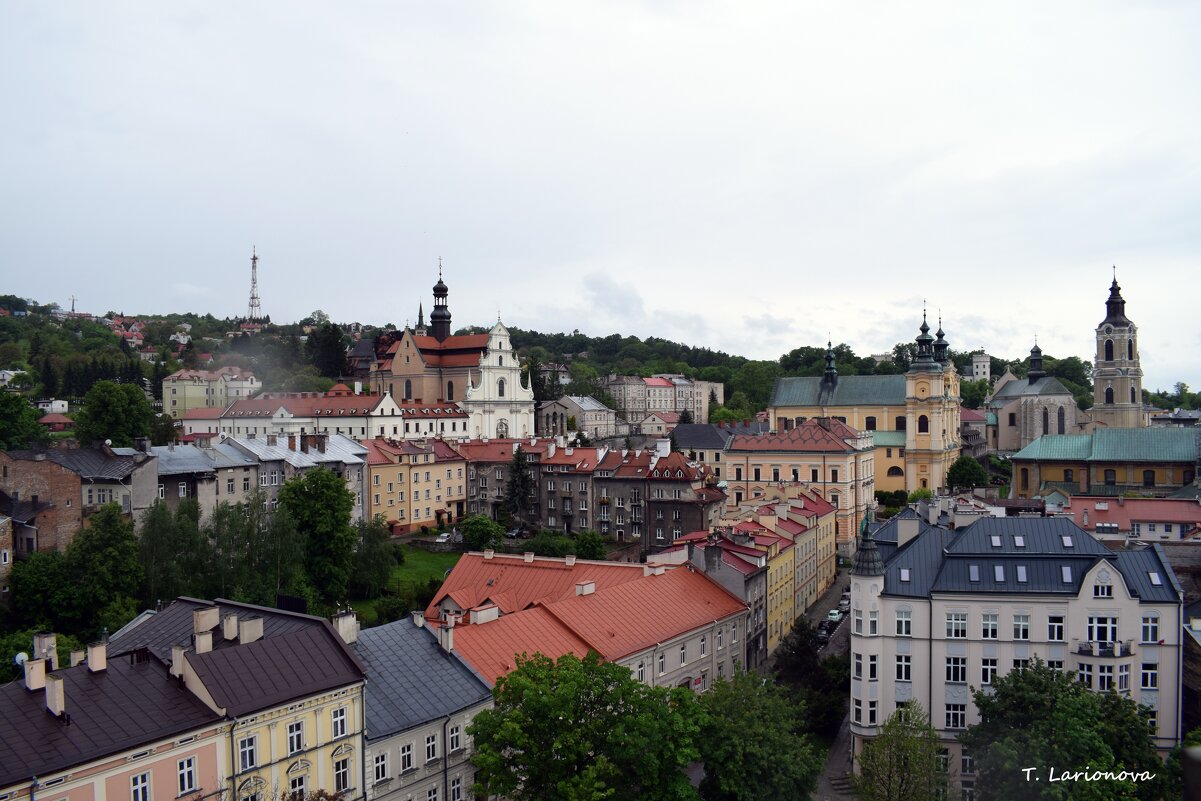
[514, 584]
[1131, 510]
[492, 648]
[809, 437]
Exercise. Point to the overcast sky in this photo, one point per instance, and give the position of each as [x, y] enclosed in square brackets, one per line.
[748, 176]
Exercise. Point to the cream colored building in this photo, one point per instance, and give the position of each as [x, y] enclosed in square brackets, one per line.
[184, 390]
[415, 485]
[935, 613]
[1117, 374]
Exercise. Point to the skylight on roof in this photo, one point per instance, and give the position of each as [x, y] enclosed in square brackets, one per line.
[998, 572]
[1021, 570]
[996, 540]
[1019, 541]
[1067, 573]
[1155, 579]
[973, 572]
[904, 574]
[1067, 540]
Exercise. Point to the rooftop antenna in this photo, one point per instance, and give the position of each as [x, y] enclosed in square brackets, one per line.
[254, 311]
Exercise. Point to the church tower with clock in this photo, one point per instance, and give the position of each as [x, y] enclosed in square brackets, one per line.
[1117, 376]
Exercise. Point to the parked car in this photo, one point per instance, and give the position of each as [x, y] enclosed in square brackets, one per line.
[844, 605]
[443, 537]
[834, 615]
[513, 533]
[823, 637]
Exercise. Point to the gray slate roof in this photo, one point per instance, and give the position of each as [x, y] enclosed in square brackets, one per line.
[712, 437]
[91, 463]
[338, 448]
[850, 390]
[185, 459]
[411, 680]
[587, 403]
[1022, 387]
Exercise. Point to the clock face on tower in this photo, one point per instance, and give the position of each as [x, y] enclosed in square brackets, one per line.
[1109, 329]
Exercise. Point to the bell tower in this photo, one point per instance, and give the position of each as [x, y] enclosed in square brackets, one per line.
[1117, 376]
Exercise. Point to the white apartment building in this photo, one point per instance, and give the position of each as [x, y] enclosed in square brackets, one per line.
[936, 613]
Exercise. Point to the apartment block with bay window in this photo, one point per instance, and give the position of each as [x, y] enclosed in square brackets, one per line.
[936, 612]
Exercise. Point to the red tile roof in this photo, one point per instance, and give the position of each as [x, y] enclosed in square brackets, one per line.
[514, 584]
[967, 415]
[499, 450]
[657, 382]
[811, 436]
[1133, 510]
[491, 648]
[203, 413]
[55, 418]
[673, 467]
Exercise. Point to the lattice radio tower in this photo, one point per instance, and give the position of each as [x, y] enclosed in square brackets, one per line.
[254, 311]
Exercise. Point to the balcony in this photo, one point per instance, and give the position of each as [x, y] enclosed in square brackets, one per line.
[603, 501]
[1115, 649]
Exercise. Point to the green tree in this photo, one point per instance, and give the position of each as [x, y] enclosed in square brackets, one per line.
[752, 743]
[117, 412]
[162, 429]
[589, 545]
[18, 422]
[972, 393]
[519, 493]
[17, 642]
[168, 544]
[321, 505]
[327, 351]
[480, 533]
[967, 472]
[43, 595]
[102, 562]
[903, 763]
[821, 684]
[585, 729]
[374, 558]
[920, 495]
[686, 417]
[1041, 717]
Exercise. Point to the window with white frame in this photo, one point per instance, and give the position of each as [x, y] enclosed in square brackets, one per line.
[956, 625]
[704, 642]
[904, 667]
[296, 786]
[1055, 628]
[454, 739]
[858, 616]
[187, 775]
[456, 789]
[1150, 628]
[1102, 628]
[873, 622]
[139, 787]
[1150, 676]
[956, 716]
[683, 653]
[1021, 627]
[857, 710]
[662, 663]
[342, 775]
[1084, 672]
[406, 757]
[380, 768]
[641, 673]
[338, 717]
[1123, 678]
[1104, 677]
[431, 748]
[988, 670]
[296, 737]
[904, 623]
[247, 753]
[989, 625]
[956, 670]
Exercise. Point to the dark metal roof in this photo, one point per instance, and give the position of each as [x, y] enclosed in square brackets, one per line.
[21, 511]
[92, 463]
[411, 680]
[712, 437]
[1043, 536]
[1043, 576]
[850, 390]
[1022, 387]
[275, 670]
[132, 702]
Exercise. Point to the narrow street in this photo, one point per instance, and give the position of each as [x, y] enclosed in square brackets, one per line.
[833, 784]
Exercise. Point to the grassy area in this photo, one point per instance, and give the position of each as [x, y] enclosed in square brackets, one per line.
[419, 567]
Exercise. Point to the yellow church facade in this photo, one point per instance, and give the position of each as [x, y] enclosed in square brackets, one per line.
[915, 416]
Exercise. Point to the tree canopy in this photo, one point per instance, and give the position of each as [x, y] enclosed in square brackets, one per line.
[967, 472]
[577, 729]
[519, 492]
[903, 762]
[18, 422]
[320, 505]
[117, 412]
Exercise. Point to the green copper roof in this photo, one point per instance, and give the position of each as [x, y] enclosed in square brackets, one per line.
[888, 439]
[1115, 445]
[849, 390]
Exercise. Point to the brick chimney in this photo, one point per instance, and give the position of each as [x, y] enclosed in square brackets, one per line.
[346, 623]
[56, 695]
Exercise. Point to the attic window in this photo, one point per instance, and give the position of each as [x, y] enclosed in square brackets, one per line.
[904, 574]
[1021, 571]
[1155, 579]
[1019, 541]
[1067, 573]
[996, 540]
[998, 573]
[973, 572]
[1067, 540]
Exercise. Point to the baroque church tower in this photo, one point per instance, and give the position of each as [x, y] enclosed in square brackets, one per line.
[932, 411]
[1117, 376]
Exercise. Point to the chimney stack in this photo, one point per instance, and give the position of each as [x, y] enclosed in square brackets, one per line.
[35, 674]
[528, 556]
[346, 623]
[177, 657]
[98, 656]
[45, 645]
[446, 635]
[229, 627]
[203, 641]
[205, 618]
[569, 560]
[585, 587]
[250, 629]
[56, 695]
[77, 657]
[418, 618]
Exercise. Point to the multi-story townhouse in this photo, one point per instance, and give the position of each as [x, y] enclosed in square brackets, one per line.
[566, 487]
[51, 494]
[1134, 519]
[572, 413]
[936, 612]
[488, 464]
[706, 442]
[287, 686]
[415, 484]
[281, 458]
[637, 397]
[106, 727]
[671, 626]
[419, 702]
[342, 410]
[922, 405]
[1140, 461]
[821, 453]
[210, 474]
[185, 390]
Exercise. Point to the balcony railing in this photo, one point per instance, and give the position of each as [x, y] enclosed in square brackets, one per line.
[1114, 649]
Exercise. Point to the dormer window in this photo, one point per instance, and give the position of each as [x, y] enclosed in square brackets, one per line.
[1066, 570]
[904, 574]
[1021, 571]
[996, 540]
[1155, 579]
[973, 572]
[1067, 540]
[999, 573]
[1019, 541]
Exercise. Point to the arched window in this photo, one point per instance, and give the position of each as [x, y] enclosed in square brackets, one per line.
[500, 360]
[1130, 349]
[1111, 478]
[870, 424]
[500, 388]
[1069, 475]
[1132, 393]
[1109, 350]
[1061, 421]
[895, 472]
[901, 423]
[1148, 478]
[450, 391]
[1025, 478]
[1046, 421]
[408, 389]
[923, 424]
[1109, 395]
[502, 428]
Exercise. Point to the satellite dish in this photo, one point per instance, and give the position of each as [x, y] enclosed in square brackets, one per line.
[108, 442]
[20, 659]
